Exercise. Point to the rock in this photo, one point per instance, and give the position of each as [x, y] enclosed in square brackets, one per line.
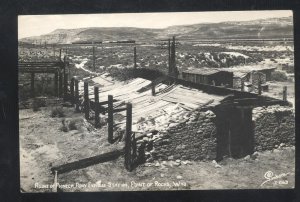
[184, 162]
[276, 150]
[254, 155]
[149, 135]
[162, 175]
[178, 161]
[281, 145]
[148, 164]
[157, 164]
[170, 157]
[176, 164]
[171, 125]
[218, 166]
[179, 177]
[247, 157]
[188, 162]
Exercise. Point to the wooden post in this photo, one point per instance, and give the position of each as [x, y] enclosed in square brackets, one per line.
[169, 51]
[128, 160]
[242, 85]
[32, 85]
[110, 119]
[153, 89]
[134, 57]
[134, 151]
[60, 54]
[94, 58]
[65, 86]
[97, 114]
[60, 84]
[173, 69]
[56, 84]
[72, 90]
[86, 100]
[53, 50]
[76, 95]
[284, 93]
[259, 86]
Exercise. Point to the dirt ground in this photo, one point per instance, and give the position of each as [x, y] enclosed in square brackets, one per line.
[43, 145]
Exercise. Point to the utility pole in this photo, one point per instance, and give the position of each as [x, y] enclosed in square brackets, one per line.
[134, 57]
[94, 67]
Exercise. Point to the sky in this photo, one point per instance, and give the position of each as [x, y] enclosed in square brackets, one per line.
[35, 25]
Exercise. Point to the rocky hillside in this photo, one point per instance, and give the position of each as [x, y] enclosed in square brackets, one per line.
[256, 29]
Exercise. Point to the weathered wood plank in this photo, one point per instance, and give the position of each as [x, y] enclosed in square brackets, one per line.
[83, 163]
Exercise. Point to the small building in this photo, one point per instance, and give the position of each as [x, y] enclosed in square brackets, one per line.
[250, 74]
[209, 76]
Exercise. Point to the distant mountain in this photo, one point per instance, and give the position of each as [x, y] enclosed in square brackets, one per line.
[255, 29]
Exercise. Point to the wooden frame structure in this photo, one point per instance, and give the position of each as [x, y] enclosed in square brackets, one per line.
[56, 68]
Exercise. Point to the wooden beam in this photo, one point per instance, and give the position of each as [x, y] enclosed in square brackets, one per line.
[119, 110]
[169, 54]
[97, 110]
[106, 102]
[86, 101]
[32, 85]
[72, 90]
[128, 157]
[56, 84]
[110, 119]
[65, 86]
[284, 93]
[134, 57]
[94, 58]
[60, 84]
[83, 163]
[76, 95]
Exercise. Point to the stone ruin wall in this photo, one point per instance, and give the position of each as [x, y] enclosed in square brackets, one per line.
[272, 126]
[192, 139]
[195, 138]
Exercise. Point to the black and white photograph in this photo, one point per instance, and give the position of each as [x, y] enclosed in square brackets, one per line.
[159, 101]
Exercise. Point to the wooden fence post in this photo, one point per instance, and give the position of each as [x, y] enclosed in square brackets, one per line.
[56, 84]
[86, 100]
[72, 90]
[134, 151]
[128, 143]
[259, 86]
[65, 86]
[60, 54]
[134, 57]
[153, 89]
[284, 93]
[110, 118]
[97, 114]
[32, 85]
[60, 84]
[242, 85]
[76, 95]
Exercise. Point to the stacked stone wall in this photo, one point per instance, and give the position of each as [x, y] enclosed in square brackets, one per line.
[273, 126]
[192, 139]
